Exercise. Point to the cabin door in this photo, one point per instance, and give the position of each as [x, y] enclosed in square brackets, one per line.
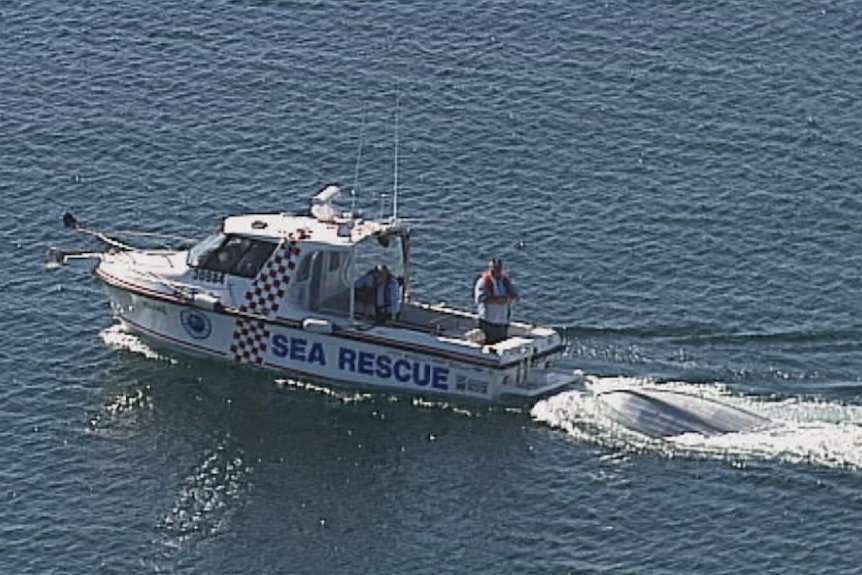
[315, 282]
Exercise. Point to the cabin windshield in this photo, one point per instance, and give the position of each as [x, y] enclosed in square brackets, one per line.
[231, 254]
[204, 248]
[324, 278]
[374, 253]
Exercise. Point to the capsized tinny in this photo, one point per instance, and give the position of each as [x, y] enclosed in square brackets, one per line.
[661, 412]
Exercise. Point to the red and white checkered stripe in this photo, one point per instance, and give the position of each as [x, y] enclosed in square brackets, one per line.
[263, 298]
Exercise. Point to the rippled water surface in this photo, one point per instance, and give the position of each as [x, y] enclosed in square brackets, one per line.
[674, 186]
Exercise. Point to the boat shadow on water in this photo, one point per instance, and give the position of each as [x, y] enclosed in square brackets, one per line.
[176, 381]
[674, 419]
[215, 438]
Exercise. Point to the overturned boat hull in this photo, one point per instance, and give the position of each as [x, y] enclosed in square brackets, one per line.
[665, 413]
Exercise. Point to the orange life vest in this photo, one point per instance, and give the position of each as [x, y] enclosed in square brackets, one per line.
[490, 283]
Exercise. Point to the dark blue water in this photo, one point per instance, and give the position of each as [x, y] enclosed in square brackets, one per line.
[675, 186]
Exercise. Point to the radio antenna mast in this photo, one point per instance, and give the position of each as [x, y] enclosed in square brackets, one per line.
[395, 177]
[358, 160]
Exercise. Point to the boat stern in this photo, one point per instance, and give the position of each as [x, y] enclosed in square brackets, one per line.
[541, 383]
[531, 371]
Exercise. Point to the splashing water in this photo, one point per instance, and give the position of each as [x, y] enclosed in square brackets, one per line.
[799, 430]
[117, 337]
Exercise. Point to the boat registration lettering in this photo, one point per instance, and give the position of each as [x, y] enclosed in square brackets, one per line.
[205, 275]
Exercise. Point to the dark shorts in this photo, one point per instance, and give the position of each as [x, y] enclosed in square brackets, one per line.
[494, 332]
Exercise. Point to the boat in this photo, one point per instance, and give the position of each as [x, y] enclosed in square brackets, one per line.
[663, 413]
[276, 291]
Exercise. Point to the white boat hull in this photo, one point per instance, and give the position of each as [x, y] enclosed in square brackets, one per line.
[291, 293]
[356, 355]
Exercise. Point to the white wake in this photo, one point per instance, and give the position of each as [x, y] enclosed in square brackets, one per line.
[117, 337]
[801, 430]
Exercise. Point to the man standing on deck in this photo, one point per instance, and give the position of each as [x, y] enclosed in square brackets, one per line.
[494, 294]
[384, 292]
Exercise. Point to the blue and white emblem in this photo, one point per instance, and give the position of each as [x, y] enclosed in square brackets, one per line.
[196, 324]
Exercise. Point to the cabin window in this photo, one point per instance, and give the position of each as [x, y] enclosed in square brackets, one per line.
[203, 249]
[304, 270]
[252, 260]
[334, 261]
[233, 255]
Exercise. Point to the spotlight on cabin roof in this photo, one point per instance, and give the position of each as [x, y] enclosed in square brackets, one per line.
[321, 204]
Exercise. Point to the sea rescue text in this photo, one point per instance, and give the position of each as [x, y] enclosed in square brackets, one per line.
[367, 363]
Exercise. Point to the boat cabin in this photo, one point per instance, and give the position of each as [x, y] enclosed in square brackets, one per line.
[324, 253]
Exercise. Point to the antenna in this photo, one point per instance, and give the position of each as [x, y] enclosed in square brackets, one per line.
[395, 177]
[358, 159]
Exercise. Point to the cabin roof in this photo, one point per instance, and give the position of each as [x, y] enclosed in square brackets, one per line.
[336, 232]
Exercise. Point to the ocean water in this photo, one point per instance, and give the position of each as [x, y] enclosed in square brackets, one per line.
[674, 186]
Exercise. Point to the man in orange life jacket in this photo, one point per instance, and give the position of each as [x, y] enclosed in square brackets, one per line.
[494, 293]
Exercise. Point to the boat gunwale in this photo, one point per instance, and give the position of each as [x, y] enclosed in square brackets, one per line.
[355, 335]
